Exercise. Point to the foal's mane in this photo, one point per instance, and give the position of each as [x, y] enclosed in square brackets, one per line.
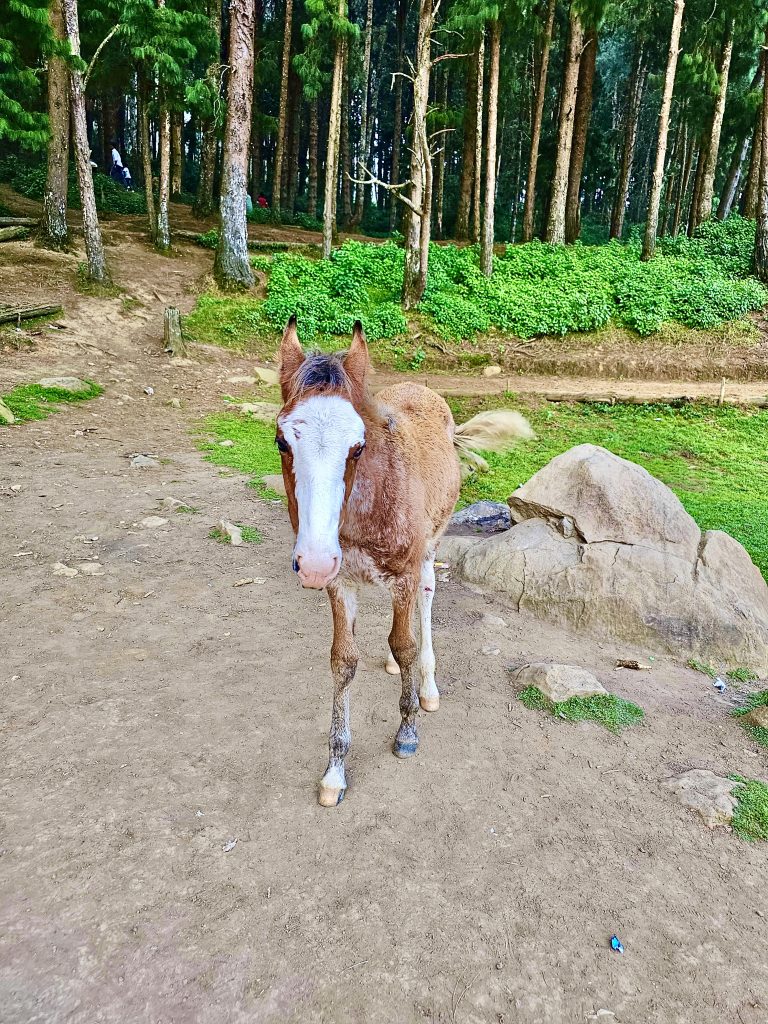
[321, 373]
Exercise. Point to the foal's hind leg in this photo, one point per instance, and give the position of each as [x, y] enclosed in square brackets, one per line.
[403, 646]
[429, 695]
[344, 657]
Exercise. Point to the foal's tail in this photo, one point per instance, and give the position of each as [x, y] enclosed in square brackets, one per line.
[495, 431]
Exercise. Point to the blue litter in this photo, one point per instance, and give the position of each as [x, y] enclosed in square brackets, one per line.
[616, 944]
[720, 685]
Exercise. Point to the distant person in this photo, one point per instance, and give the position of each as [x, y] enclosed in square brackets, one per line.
[127, 180]
[262, 201]
[116, 170]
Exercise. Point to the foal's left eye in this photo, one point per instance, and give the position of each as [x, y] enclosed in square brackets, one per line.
[358, 451]
[282, 444]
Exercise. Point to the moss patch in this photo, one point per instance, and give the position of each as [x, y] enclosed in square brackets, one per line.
[607, 709]
[757, 732]
[750, 819]
[32, 402]
[254, 451]
[251, 535]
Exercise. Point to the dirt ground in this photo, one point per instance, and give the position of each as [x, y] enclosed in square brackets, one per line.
[153, 714]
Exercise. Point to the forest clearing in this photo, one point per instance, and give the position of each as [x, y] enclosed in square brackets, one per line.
[219, 221]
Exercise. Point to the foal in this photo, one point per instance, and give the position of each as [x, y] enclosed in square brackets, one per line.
[371, 485]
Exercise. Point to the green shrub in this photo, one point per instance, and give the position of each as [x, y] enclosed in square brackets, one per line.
[756, 700]
[606, 709]
[750, 818]
[110, 197]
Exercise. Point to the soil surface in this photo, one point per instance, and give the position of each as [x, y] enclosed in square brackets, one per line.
[156, 713]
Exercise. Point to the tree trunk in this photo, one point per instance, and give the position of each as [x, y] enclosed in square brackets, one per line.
[397, 118]
[177, 154]
[419, 214]
[232, 268]
[751, 187]
[580, 130]
[94, 249]
[364, 105]
[292, 164]
[53, 225]
[478, 176]
[313, 147]
[163, 234]
[697, 181]
[440, 170]
[760, 255]
[489, 221]
[332, 150]
[652, 223]
[555, 231]
[283, 109]
[704, 207]
[682, 185]
[346, 147]
[538, 114]
[204, 203]
[731, 186]
[146, 154]
[634, 102]
[461, 230]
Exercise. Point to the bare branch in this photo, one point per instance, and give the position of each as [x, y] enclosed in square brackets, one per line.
[395, 189]
[99, 48]
[448, 56]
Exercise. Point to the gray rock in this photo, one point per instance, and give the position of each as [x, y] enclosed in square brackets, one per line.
[482, 517]
[558, 682]
[73, 384]
[266, 376]
[227, 444]
[275, 482]
[153, 522]
[6, 416]
[636, 567]
[491, 371]
[494, 621]
[490, 651]
[241, 379]
[232, 532]
[757, 716]
[710, 795]
[144, 462]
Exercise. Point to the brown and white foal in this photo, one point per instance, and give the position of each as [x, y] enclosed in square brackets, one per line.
[371, 484]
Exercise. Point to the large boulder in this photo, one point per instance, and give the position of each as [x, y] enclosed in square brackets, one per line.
[600, 545]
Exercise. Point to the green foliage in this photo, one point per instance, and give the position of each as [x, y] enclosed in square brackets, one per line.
[25, 36]
[29, 180]
[32, 402]
[703, 667]
[741, 675]
[254, 452]
[607, 709]
[750, 819]
[251, 535]
[713, 458]
[231, 320]
[756, 700]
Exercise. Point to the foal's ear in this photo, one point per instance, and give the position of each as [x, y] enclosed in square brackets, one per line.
[291, 355]
[356, 361]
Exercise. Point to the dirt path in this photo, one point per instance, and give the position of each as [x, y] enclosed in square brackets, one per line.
[157, 712]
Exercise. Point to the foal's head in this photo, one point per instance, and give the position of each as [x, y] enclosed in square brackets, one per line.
[321, 437]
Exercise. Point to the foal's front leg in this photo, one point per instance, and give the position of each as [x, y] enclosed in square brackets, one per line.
[402, 643]
[344, 658]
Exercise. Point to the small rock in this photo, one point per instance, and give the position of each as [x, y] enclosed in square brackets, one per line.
[182, 361]
[266, 412]
[172, 504]
[175, 403]
[490, 651]
[144, 462]
[149, 391]
[757, 716]
[482, 517]
[73, 384]
[234, 533]
[493, 620]
[91, 569]
[558, 682]
[709, 794]
[226, 444]
[259, 580]
[153, 522]
[491, 371]
[6, 416]
[267, 376]
[244, 379]
[275, 482]
[61, 569]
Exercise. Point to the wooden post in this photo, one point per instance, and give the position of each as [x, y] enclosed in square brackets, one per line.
[174, 342]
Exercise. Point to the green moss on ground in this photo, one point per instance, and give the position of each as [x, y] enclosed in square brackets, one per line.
[251, 535]
[704, 667]
[750, 819]
[757, 732]
[32, 402]
[254, 451]
[607, 710]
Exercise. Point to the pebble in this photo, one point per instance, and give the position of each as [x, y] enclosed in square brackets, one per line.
[153, 522]
[243, 379]
[491, 371]
[90, 569]
[226, 444]
[73, 384]
[233, 532]
[266, 375]
[144, 462]
[5, 413]
[175, 403]
[61, 569]
[491, 651]
[493, 620]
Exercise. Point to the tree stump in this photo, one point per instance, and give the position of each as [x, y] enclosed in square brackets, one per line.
[9, 234]
[174, 342]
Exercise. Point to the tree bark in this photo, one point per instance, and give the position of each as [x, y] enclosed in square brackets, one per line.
[555, 230]
[461, 230]
[177, 154]
[731, 186]
[751, 187]
[94, 248]
[419, 223]
[698, 178]
[760, 255]
[440, 169]
[364, 107]
[682, 184]
[313, 147]
[146, 154]
[397, 118]
[292, 164]
[332, 150]
[163, 233]
[652, 223]
[345, 147]
[204, 203]
[538, 114]
[283, 109]
[489, 220]
[54, 233]
[478, 155]
[580, 130]
[634, 102]
[232, 268]
[704, 207]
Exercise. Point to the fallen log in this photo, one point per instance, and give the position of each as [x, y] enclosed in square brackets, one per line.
[9, 314]
[18, 222]
[174, 340]
[9, 234]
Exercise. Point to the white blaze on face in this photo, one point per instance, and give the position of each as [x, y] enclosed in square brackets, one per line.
[320, 432]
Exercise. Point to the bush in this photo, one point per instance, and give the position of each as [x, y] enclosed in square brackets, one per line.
[110, 197]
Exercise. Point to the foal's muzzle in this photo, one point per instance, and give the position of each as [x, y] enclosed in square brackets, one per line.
[316, 571]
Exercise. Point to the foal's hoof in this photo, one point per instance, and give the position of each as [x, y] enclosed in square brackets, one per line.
[331, 796]
[392, 667]
[429, 703]
[406, 742]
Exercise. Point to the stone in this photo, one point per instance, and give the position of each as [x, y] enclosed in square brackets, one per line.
[598, 545]
[490, 651]
[275, 482]
[242, 379]
[494, 621]
[267, 376]
[558, 682]
[482, 517]
[266, 412]
[710, 795]
[172, 504]
[153, 522]
[144, 462]
[61, 569]
[491, 371]
[757, 716]
[175, 403]
[6, 416]
[72, 384]
[226, 444]
[232, 532]
[90, 569]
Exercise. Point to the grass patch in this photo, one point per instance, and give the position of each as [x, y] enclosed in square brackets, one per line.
[742, 675]
[750, 819]
[608, 710]
[704, 667]
[251, 535]
[188, 510]
[254, 452]
[32, 402]
[756, 700]
[97, 289]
